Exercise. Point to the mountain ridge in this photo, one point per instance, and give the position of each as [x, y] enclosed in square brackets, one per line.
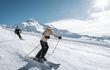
[31, 25]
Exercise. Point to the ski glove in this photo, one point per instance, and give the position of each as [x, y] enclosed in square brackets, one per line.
[59, 37]
[48, 37]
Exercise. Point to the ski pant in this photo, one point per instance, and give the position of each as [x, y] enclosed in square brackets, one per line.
[43, 51]
[19, 36]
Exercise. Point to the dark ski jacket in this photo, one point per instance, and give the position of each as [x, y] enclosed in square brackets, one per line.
[17, 31]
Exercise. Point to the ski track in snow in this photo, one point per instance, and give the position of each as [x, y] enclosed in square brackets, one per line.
[71, 55]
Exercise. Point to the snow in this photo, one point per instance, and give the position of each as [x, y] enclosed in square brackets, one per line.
[34, 27]
[30, 25]
[94, 27]
[71, 54]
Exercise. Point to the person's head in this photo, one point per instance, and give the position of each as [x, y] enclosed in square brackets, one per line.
[17, 27]
[49, 28]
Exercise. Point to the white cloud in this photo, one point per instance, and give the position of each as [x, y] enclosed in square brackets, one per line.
[100, 4]
[99, 25]
[102, 14]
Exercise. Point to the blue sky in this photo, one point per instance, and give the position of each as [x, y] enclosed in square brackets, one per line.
[17, 11]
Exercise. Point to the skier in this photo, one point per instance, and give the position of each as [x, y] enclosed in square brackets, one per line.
[45, 36]
[18, 31]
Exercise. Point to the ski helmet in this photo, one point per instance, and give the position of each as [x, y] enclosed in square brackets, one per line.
[51, 27]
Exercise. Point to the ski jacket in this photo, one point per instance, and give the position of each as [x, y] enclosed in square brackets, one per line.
[17, 31]
[46, 35]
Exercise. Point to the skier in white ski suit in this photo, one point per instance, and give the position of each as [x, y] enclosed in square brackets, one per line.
[45, 36]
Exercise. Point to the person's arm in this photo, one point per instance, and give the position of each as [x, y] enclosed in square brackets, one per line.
[15, 31]
[55, 35]
[20, 30]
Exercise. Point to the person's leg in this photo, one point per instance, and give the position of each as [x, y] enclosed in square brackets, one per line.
[40, 52]
[19, 36]
[44, 51]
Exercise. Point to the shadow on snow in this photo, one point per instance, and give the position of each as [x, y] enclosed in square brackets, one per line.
[36, 65]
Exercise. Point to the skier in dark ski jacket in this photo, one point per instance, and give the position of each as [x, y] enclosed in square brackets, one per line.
[18, 31]
[45, 36]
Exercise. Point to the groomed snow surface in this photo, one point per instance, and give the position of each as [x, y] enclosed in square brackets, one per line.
[70, 55]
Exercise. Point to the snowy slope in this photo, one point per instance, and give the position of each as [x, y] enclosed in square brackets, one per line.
[71, 55]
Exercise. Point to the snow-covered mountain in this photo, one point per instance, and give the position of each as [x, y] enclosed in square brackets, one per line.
[66, 33]
[75, 54]
[31, 25]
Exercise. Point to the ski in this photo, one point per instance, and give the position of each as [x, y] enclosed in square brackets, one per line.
[46, 63]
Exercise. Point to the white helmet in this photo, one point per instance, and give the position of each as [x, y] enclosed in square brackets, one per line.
[51, 26]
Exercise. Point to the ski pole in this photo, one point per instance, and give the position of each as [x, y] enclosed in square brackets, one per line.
[32, 51]
[56, 46]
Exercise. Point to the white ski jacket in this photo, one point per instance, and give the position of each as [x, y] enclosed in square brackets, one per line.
[46, 34]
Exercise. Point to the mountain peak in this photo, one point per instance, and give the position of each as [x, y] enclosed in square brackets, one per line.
[31, 20]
